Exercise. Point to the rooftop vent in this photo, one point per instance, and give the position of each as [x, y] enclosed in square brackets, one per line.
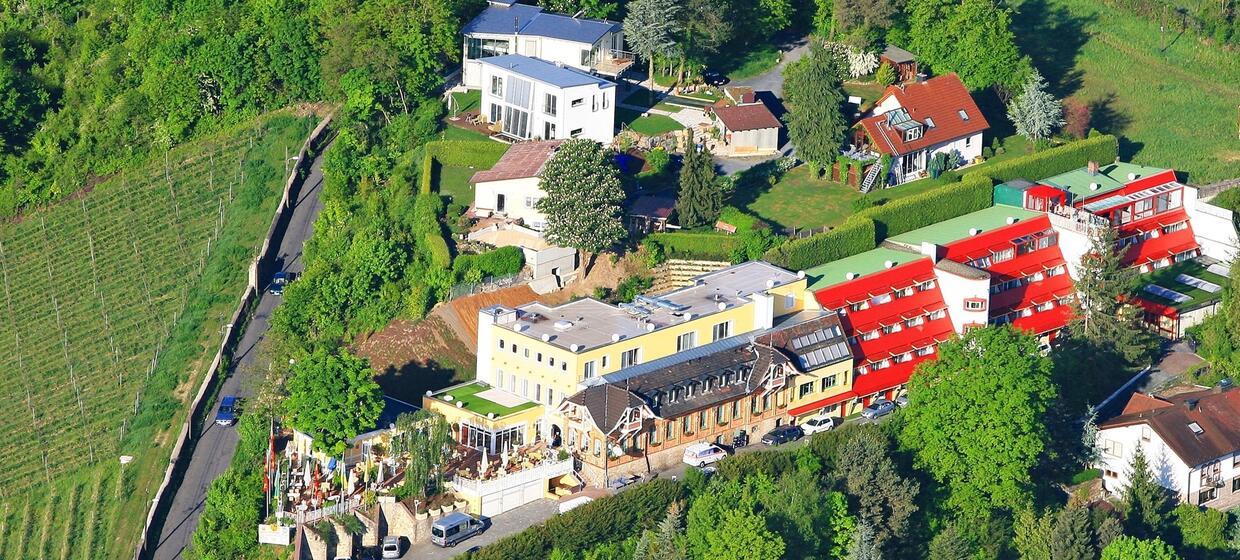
[1190, 404]
[649, 327]
[1012, 219]
[800, 274]
[889, 264]
[850, 275]
[770, 283]
[563, 325]
[974, 231]
[1094, 186]
[1132, 176]
[546, 337]
[615, 337]
[722, 306]
[1196, 428]
[521, 327]
[575, 347]
[1092, 167]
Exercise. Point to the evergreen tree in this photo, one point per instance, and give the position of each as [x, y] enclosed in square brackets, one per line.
[650, 30]
[700, 199]
[1072, 536]
[950, 544]
[665, 542]
[583, 197]
[1146, 507]
[885, 75]
[1035, 112]
[886, 499]
[863, 545]
[1103, 319]
[813, 93]
[1108, 530]
[1031, 535]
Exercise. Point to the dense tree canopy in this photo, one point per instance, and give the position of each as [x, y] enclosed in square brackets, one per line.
[978, 421]
[583, 197]
[1132, 548]
[972, 38]
[332, 396]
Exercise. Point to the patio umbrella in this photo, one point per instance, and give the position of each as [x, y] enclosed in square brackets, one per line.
[379, 474]
[482, 467]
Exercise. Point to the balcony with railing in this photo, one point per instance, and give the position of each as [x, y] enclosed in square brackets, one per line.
[1075, 219]
[611, 62]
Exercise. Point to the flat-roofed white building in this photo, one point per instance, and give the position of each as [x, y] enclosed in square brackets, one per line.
[531, 98]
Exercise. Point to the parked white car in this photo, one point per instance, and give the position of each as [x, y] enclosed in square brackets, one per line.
[702, 454]
[820, 423]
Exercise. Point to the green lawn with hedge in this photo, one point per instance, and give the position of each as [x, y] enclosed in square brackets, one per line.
[649, 125]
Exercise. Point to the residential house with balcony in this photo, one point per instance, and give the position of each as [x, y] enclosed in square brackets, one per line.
[506, 27]
[913, 121]
[641, 418]
[528, 98]
[1191, 442]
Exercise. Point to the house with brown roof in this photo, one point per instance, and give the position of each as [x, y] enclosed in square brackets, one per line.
[747, 127]
[912, 122]
[1191, 441]
[646, 415]
[510, 188]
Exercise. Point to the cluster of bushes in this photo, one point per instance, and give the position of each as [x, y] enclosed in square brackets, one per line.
[974, 193]
[504, 261]
[715, 246]
[857, 235]
[601, 521]
[743, 221]
[457, 153]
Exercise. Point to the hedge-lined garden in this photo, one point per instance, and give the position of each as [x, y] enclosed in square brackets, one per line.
[857, 235]
[457, 153]
[1102, 148]
[974, 193]
[693, 245]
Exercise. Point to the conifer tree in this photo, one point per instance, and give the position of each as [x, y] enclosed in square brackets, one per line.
[1035, 112]
[1072, 535]
[950, 544]
[700, 199]
[1146, 507]
[1103, 318]
[813, 92]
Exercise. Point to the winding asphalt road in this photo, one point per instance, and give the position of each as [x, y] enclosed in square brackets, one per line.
[216, 445]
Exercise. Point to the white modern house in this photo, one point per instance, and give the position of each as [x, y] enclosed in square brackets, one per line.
[533, 99]
[506, 27]
[914, 121]
[1191, 442]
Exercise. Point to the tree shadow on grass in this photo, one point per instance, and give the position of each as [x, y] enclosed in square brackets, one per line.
[1052, 37]
[412, 380]
[1105, 117]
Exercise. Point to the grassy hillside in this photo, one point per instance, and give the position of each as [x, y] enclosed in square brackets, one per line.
[112, 305]
[1173, 98]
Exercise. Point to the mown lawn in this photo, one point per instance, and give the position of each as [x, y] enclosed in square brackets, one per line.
[754, 62]
[467, 100]
[1172, 99]
[649, 125]
[457, 133]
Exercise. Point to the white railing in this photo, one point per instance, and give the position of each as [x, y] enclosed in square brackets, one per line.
[313, 515]
[541, 472]
[1080, 221]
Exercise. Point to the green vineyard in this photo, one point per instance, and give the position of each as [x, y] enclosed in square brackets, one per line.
[110, 300]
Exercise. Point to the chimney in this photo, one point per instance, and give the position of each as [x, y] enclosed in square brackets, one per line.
[1190, 404]
[1092, 167]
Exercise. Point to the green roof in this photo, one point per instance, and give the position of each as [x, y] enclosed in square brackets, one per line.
[958, 228]
[1110, 176]
[468, 393]
[1166, 277]
[868, 262]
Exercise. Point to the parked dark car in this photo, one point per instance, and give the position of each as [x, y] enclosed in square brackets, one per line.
[279, 281]
[715, 78]
[782, 435]
[227, 414]
[878, 409]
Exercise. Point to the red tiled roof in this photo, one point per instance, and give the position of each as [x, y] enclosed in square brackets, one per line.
[751, 116]
[941, 99]
[1141, 402]
[1163, 246]
[887, 346]
[521, 161]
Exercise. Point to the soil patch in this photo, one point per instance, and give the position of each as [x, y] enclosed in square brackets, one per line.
[413, 357]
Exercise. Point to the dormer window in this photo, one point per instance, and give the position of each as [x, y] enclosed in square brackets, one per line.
[913, 133]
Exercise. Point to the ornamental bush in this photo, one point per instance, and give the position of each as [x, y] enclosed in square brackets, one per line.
[437, 248]
[974, 193]
[857, 235]
[1102, 148]
[504, 261]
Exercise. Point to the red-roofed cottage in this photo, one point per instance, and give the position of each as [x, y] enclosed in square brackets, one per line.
[912, 122]
[747, 128]
[510, 188]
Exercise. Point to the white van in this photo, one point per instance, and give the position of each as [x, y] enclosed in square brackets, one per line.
[702, 454]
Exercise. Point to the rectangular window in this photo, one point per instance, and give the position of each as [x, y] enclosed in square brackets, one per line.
[1235, 484]
[551, 362]
[497, 86]
[628, 358]
[1207, 495]
[550, 102]
[538, 392]
[548, 131]
[575, 132]
[525, 388]
[719, 414]
[685, 341]
[721, 330]
[685, 426]
[973, 304]
[539, 359]
[736, 409]
[577, 102]
[604, 363]
[482, 48]
[501, 344]
[653, 436]
[1112, 448]
[671, 431]
[828, 382]
[588, 371]
[805, 389]
[550, 396]
[702, 419]
[585, 57]
[606, 103]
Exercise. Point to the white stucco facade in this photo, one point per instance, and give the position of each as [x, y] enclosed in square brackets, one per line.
[582, 56]
[908, 167]
[1212, 227]
[514, 198]
[967, 297]
[1117, 446]
[548, 111]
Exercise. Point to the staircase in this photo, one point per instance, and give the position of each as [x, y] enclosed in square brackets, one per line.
[871, 177]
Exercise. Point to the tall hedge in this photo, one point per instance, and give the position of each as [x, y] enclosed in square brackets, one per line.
[857, 235]
[440, 256]
[604, 520]
[458, 153]
[706, 246]
[500, 262]
[975, 192]
[1103, 148]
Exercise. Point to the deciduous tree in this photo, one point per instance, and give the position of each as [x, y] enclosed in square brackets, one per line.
[813, 94]
[1133, 548]
[742, 535]
[583, 197]
[988, 373]
[1035, 112]
[972, 38]
[332, 396]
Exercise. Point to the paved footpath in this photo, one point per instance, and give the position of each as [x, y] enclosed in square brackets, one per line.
[216, 445]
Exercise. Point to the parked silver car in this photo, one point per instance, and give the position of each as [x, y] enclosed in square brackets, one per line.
[390, 547]
[878, 409]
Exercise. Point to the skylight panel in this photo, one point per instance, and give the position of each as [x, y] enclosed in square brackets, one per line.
[1196, 428]
[963, 114]
[929, 122]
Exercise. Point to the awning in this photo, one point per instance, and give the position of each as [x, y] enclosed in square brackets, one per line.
[816, 405]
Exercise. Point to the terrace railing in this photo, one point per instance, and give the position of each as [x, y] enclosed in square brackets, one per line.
[543, 471]
[347, 506]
